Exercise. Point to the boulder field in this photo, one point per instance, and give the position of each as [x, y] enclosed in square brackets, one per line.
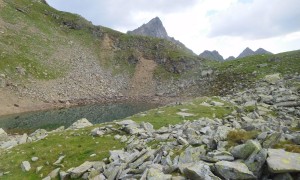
[203, 148]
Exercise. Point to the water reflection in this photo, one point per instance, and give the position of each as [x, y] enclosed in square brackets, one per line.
[28, 122]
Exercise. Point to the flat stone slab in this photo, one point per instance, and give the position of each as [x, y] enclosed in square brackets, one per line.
[125, 122]
[184, 114]
[280, 161]
[234, 170]
[78, 171]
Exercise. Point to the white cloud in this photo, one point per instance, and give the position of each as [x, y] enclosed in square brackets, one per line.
[119, 13]
[257, 19]
[228, 26]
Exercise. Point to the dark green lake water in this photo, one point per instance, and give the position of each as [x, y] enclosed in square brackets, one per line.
[51, 119]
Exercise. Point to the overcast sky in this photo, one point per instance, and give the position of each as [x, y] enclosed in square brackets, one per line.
[228, 26]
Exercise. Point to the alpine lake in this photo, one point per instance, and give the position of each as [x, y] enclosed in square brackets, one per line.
[52, 119]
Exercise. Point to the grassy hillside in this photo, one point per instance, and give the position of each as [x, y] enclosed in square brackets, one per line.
[244, 72]
[32, 33]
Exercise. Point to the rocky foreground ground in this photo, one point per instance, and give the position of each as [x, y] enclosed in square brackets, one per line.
[259, 139]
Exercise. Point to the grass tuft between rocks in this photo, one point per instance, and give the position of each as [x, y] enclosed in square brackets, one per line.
[288, 146]
[240, 136]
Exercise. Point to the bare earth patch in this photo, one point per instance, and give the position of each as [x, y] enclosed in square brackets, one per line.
[11, 103]
[142, 83]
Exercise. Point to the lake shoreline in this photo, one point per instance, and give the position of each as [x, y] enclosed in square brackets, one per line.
[20, 108]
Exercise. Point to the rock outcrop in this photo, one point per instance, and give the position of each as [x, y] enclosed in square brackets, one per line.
[211, 55]
[154, 28]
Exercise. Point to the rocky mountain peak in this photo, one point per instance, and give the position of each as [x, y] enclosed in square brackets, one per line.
[211, 55]
[262, 51]
[153, 28]
[246, 52]
[250, 52]
[230, 58]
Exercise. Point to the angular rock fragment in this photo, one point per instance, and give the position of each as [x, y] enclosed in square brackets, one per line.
[155, 174]
[243, 151]
[256, 161]
[271, 140]
[280, 161]
[25, 165]
[78, 171]
[199, 171]
[234, 170]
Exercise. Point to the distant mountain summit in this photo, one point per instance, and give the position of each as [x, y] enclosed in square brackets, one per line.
[230, 58]
[262, 51]
[154, 28]
[212, 55]
[246, 52]
[250, 52]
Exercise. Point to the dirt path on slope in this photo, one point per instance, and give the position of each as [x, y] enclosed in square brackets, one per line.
[142, 83]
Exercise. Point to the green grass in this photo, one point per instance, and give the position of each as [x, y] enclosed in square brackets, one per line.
[248, 70]
[37, 31]
[167, 115]
[77, 146]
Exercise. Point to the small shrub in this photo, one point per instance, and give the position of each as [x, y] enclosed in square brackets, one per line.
[240, 136]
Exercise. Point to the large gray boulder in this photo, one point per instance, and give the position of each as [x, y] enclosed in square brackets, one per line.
[191, 154]
[256, 161]
[81, 123]
[193, 137]
[284, 176]
[3, 135]
[199, 170]
[132, 127]
[23, 139]
[38, 135]
[280, 161]
[272, 78]
[9, 144]
[243, 151]
[156, 174]
[217, 155]
[25, 165]
[271, 140]
[234, 170]
[53, 174]
[78, 171]
[148, 127]
[221, 133]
